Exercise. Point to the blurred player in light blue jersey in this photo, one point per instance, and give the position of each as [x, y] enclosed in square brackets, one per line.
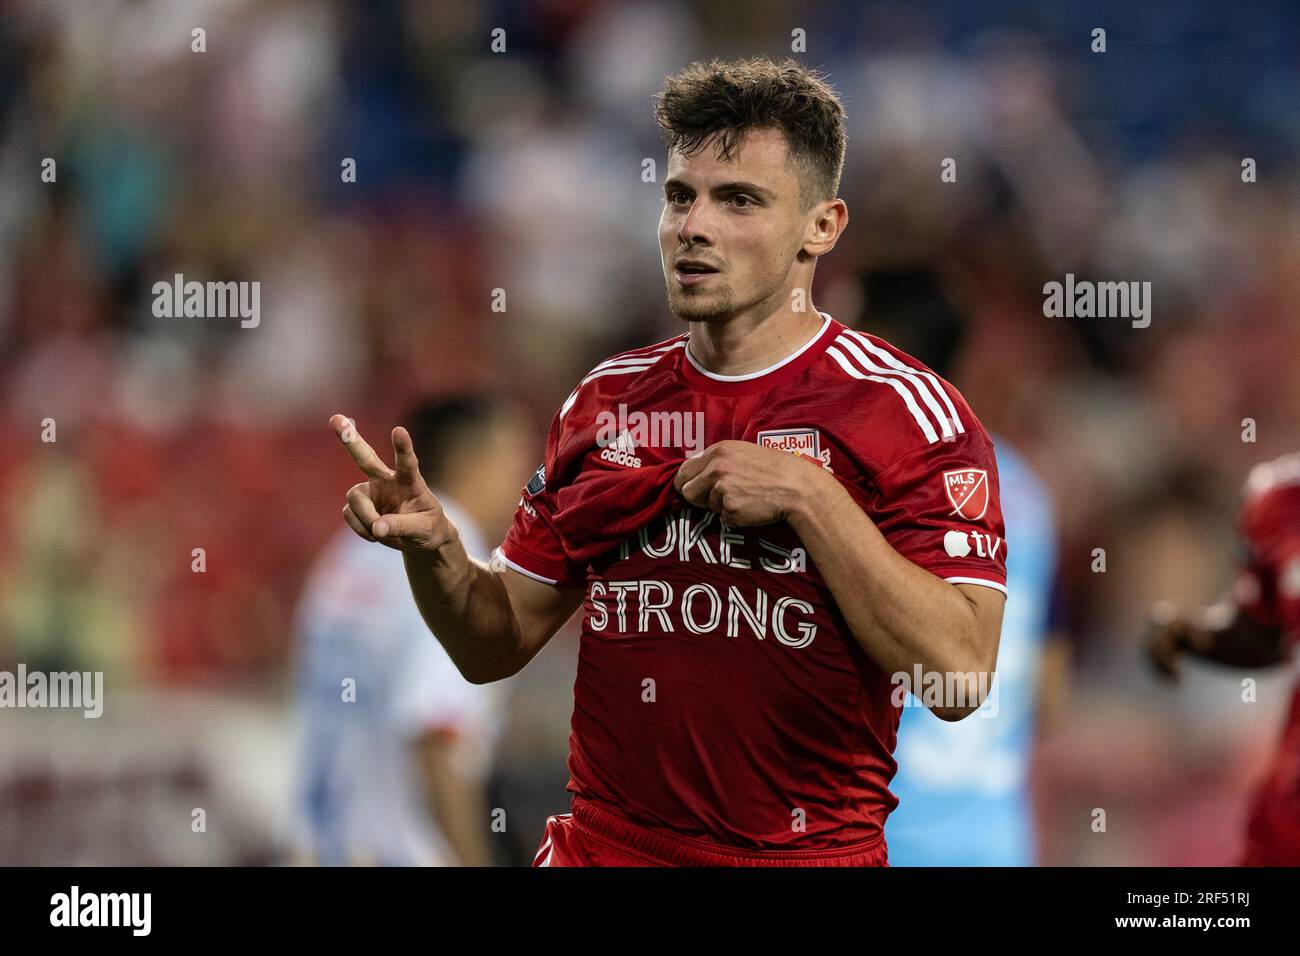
[396, 745]
[963, 786]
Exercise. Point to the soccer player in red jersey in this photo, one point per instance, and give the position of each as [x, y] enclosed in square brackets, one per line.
[1256, 625]
[769, 521]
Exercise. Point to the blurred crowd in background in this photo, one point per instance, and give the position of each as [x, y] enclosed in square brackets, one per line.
[523, 171]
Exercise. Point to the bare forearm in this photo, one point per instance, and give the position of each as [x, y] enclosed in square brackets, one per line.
[467, 607]
[1223, 634]
[901, 614]
[460, 811]
[456, 802]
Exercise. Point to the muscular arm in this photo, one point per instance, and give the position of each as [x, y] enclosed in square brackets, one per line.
[492, 621]
[901, 614]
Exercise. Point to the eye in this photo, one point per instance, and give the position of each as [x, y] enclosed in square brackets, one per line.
[678, 197]
[743, 200]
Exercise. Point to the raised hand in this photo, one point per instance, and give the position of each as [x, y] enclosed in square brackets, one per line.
[393, 507]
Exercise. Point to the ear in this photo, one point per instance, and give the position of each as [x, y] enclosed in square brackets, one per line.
[826, 223]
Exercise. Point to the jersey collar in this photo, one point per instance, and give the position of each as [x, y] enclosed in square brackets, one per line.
[701, 378]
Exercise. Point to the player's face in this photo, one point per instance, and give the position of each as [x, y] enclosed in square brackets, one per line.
[740, 217]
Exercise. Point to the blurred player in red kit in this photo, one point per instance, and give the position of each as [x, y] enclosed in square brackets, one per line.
[1256, 625]
[765, 520]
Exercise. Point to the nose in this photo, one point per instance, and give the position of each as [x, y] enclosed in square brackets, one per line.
[694, 229]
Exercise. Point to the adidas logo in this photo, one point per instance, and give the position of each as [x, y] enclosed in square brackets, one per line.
[622, 452]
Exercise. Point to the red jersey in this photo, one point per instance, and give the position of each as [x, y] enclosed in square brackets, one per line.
[720, 694]
[1269, 588]
[1268, 591]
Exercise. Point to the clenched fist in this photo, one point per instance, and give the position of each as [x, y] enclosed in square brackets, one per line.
[746, 484]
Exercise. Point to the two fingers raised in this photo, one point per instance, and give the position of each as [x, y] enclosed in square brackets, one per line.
[368, 460]
[360, 512]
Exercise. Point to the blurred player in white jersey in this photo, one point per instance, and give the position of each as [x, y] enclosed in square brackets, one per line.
[396, 744]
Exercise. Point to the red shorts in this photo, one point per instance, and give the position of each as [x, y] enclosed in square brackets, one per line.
[1273, 831]
[594, 836]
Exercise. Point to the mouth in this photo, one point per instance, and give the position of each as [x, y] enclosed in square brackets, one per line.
[692, 271]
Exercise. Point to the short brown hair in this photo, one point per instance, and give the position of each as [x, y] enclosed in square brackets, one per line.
[731, 97]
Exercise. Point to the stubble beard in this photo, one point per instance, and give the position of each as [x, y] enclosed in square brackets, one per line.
[696, 307]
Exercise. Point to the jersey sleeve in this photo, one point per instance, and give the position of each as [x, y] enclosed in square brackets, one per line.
[939, 507]
[1268, 587]
[1288, 591]
[532, 546]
